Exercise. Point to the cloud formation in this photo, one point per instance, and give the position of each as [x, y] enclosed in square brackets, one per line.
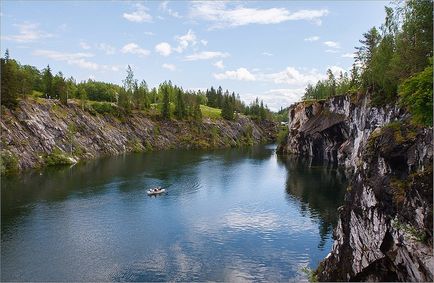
[169, 67]
[332, 44]
[312, 38]
[139, 15]
[78, 59]
[205, 55]
[224, 15]
[219, 64]
[133, 48]
[163, 48]
[186, 40]
[241, 74]
[27, 32]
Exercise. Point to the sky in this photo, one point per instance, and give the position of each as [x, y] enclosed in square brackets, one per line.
[265, 49]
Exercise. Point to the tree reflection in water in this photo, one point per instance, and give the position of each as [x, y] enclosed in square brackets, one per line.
[319, 187]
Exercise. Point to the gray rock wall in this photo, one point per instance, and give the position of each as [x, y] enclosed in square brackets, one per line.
[384, 232]
[36, 128]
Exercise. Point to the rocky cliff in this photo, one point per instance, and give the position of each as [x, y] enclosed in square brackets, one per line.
[384, 231]
[42, 132]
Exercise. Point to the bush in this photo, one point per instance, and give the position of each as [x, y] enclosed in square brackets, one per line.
[282, 135]
[105, 108]
[416, 95]
[8, 163]
[57, 157]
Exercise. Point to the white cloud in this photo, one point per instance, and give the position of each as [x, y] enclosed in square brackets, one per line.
[223, 16]
[164, 6]
[135, 49]
[241, 74]
[27, 32]
[204, 42]
[219, 64]
[312, 38]
[107, 48]
[150, 33]
[78, 59]
[331, 51]
[292, 76]
[205, 55]
[188, 39]
[267, 54]
[348, 55]
[139, 15]
[170, 67]
[332, 44]
[163, 48]
[84, 45]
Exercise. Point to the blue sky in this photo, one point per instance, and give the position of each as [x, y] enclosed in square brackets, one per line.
[268, 49]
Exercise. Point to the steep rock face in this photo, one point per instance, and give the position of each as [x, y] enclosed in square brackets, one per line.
[36, 128]
[336, 129]
[384, 232]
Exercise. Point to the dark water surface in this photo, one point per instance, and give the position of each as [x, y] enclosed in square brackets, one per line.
[235, 214]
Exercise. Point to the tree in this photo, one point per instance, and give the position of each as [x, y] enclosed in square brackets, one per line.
[47, 79]
[9, 81]
[60, 90]
[417, 96]
[227, 109]
[82, 95]
[180, 110]
[197, 113]
[124, 100]
[165, 109]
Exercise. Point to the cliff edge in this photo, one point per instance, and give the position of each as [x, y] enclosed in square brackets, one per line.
[384, 231]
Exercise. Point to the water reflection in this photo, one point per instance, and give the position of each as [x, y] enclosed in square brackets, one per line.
[229, 215]
[319, 187]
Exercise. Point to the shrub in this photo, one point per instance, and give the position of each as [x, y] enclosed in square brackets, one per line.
[8, 163]
[57, 157]
[416, 95]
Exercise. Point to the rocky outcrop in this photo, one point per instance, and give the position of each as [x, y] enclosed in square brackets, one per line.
[384, 231]
[37, 129]
[336, 129]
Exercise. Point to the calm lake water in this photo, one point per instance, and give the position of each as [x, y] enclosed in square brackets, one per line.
[234, 214]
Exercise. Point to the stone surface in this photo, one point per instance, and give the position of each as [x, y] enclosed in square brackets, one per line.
[384, 231]
[36, 128]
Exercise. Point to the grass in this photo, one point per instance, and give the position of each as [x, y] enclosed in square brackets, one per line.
[210, 112]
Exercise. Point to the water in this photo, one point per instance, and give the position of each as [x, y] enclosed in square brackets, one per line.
[236, 214]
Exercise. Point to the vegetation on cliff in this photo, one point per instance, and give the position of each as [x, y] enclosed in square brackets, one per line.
[396, 58]
[172, 101]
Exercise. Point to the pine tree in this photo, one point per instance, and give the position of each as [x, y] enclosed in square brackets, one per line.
[197, 113]
[180, 110]
[47, 81]
[165, 109]
[227, 109]
[9, 82]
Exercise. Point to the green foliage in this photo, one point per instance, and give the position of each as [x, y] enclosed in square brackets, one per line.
[124, 100]
[282, 136]
[416, 95]
[165, 109]
[180, 110]
[105, 108]
[389, 56]
[412, 232]
[9, 81]
[8, 163]
[256, 110]
[57, 157]
[227, 109]
[209, 112]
